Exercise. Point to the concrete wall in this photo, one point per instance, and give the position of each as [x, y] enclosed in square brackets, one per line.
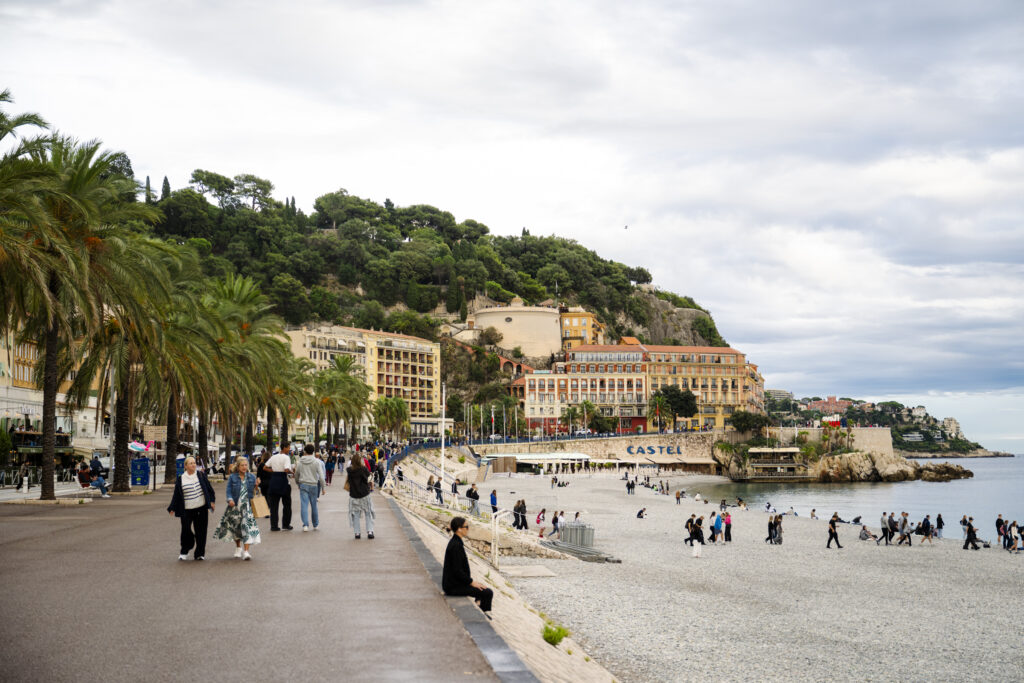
[640, 448]
[865, 439]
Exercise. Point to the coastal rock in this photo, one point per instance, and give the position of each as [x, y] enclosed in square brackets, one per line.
[941, 471]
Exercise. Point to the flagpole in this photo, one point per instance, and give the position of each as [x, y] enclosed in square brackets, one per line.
[443, 407]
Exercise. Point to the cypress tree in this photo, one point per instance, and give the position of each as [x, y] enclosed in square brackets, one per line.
[451, 302]
[149, 192]
[165, 191]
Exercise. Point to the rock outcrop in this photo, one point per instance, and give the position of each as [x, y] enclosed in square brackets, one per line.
[876, 467]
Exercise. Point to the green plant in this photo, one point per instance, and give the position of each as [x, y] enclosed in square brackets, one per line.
[462, 459]
[568, 652]
[553, 634]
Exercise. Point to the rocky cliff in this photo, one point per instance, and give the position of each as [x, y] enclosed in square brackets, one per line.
[879, 467]
[667, 322]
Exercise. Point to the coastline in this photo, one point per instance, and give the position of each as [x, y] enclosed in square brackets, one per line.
[982, 453]
[752, 611]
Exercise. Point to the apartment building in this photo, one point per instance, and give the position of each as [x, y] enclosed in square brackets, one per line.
[579, 327]
[392, 365]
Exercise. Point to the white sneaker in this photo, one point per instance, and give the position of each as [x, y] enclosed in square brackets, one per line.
[246, 556]
[182, 557]
[305, 528]
[238, 552]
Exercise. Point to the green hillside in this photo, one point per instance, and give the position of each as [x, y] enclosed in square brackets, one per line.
[352, 259]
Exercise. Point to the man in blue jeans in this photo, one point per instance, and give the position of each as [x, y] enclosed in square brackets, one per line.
[310, 478]
[85, 476]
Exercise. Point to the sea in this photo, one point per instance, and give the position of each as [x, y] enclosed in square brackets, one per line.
[995, 489]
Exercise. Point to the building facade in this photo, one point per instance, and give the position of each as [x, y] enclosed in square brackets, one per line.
[830, 405]
[580, 327]
[393, 365]
[534, 329]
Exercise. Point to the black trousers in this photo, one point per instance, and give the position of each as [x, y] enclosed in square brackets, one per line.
[972, 541]
[193, 530]
[833, 536]
[285, 498]
[728, 533]
[885, 535]
[905, 537]
[481, 595]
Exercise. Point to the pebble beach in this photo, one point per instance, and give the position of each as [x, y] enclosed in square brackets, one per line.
[752, 611]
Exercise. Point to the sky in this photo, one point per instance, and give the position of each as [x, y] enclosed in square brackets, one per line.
[840, 184]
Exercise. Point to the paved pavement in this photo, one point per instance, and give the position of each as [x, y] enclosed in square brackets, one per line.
[96, 592]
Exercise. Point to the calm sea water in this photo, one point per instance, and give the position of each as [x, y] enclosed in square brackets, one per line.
[996, 488]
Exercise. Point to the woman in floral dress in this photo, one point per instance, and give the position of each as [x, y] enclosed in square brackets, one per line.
[238, 523]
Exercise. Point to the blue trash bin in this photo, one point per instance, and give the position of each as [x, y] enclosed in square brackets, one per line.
[140, 472]
[180, 465]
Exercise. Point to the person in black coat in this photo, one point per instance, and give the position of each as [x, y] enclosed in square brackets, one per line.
[193, 500]
[456, 579]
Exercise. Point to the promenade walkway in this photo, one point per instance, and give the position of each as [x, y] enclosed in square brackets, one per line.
[95, 592]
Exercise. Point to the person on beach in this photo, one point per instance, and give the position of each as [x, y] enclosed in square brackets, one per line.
[905, 530]
[815, 516]
[972, 535]
[777, 530]
[494, 501]
[939, 524]
[561, 523]
[866, 535]
[719, 523]
[833, 535]
[728, 527]
[238, 523]
[277, 469]
[311, 481]
[722, 506]
[1000, 524]
[712, 527]
[963, 526]
[678, 498]
[192, 501]
[689, 530]
[770, 538]
[540, 518]
[474, 497]
[1013, 531]
[893, 525]
[359, 500]
[455, 575]
[642, 513]
[698, 537]
[554, 525]
[926, 529]
[885, 529]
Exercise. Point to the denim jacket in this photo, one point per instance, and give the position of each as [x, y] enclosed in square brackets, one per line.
[235, 485]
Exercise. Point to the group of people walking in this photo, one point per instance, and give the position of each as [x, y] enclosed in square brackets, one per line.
[248, 492]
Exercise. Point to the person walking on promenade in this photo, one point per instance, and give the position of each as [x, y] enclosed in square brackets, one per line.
[494, 501]
[359, 501]
[728, 527]
[474, 497]
[456, 578]
[278, 468]
[972, 535]
[939, 524]
[332, 462]
[905, 530]
[885, 529]
[777, 530]
[311, 481]
[963, 526]
[192, 501]
[833, 535]
[238, 523]
[263, 477]
[926, 530]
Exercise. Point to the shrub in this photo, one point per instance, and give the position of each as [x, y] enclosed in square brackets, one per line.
[554, 634]
[462, 459]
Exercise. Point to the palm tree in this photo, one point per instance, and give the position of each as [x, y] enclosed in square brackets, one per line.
[391, 415]
[570, 415]
[85, 210]
[659, 406]
[589, 411]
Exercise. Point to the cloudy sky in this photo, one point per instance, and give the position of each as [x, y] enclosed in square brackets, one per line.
[839, 183]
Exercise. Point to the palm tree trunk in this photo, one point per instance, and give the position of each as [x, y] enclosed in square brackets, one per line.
[201, 438]
[122, 432]
[316, 430]
[270, 428]
[330, 433]
[248, 442]
[49, 409]
[171, 443]
[284, 428]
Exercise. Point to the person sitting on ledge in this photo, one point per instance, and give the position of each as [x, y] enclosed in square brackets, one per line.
[455, 577]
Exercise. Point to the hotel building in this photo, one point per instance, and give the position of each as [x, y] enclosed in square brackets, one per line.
[392, 365]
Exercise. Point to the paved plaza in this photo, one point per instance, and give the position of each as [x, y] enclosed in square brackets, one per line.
[95, 592]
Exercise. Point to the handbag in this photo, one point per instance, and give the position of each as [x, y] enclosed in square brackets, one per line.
[260, 508]
[346, 485]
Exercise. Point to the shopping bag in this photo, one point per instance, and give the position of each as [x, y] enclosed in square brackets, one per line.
[260, 508]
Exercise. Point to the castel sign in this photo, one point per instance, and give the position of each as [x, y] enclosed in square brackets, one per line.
[655, 450]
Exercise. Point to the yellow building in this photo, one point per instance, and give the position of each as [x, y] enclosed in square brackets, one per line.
[580, 328]
[393, 365]
[720, 377]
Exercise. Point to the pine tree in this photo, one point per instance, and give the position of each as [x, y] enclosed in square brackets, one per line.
[165, 192]
[451, 302]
